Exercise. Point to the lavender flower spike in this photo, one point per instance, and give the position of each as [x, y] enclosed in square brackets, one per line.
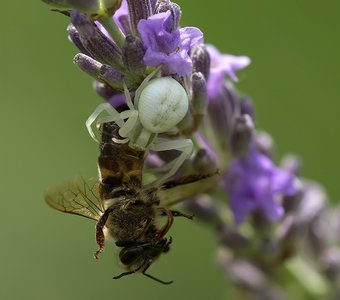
[253, 183]
[222, 65]
[167, 46]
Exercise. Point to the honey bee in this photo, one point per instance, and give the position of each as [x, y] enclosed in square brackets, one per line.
[123, 208]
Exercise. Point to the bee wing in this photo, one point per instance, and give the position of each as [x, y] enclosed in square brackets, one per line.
[185, 187]
[78, 197]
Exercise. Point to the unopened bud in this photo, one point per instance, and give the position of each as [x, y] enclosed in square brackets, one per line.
[103, 90]
[264, 143]
[95, 42]
[132, 53]
[111, 76]
[330, 261]
[231, 238]
[98, 71]
[201, 60]
[221, 112]
[199, 94]
[75, 38]
[313, 201]
[138, 10]
[241, 135]
[88, 65]
[204, 163]
[291, 164]
[164, 6]
[247, 108]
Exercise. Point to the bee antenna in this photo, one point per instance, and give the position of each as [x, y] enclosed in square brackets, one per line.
[157, 279]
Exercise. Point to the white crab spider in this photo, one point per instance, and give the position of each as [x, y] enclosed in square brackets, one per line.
[159, 105]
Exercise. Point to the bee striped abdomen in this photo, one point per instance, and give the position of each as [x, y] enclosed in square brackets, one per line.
[119, 165]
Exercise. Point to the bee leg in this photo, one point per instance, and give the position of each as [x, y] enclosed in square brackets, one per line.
[177, 213]
[126, 273]
[155, 278]
[162, 232]
[100, 238]
[166, 247]
[123, 274]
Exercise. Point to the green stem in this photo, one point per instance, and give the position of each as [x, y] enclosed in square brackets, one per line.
[309, 278]
[112, 28]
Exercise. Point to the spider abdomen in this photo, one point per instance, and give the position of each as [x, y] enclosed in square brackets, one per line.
[162, 105]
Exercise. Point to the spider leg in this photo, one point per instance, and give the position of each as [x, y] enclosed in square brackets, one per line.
[99, 109]
[131, 117]
[143, 85]
[185, 146]
[128, 97]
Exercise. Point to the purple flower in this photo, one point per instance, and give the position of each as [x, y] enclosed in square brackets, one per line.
[221, 65]
[121, 18]
[167, 46]
[253, 183]
[122, 15]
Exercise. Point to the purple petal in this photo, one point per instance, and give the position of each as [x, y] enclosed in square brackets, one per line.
[220, 66]
[283, 182]
[121, 14]
[272, 210]
[241, 209]
[190, 37]
[166, 47]
[254, 183]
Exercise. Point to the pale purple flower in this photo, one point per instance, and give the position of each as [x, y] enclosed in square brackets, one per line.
[254, 183]
[168, 47]
[220, 66]
[121, 15]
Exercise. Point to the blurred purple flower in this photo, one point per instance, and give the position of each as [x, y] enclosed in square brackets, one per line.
[221, 65]
[253, 182]
[167, 46]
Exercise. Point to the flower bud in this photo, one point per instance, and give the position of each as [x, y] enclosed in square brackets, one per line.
[139, 10]
[247, 108]
[198, 105]
[291, 163]
[241, 271]
[231, 238]
[204, 163]
[201, 60]
[221, 111]
[103, 90]
[199, 94]
[164, 6]
[111, 76]
[264, 143]
[95, 42]
[132, 53]
[313, 201]
[75, 39]
[330, 262]
[98, 71]
[241, 135]
[88, 65]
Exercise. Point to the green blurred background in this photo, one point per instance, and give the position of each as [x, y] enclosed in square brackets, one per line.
[45, 99]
